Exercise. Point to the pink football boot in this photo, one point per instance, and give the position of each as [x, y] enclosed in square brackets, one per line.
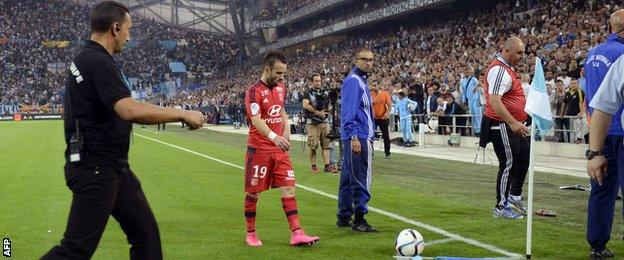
[299, 238]
[252, 239]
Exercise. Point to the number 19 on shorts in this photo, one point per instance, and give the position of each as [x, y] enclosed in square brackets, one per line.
[261, 170]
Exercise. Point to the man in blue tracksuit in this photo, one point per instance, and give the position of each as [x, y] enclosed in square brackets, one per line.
[472, 98]
[405, 116]
[602, 198]
[356, 132]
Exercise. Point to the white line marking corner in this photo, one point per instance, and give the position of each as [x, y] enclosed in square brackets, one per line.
[373, 209]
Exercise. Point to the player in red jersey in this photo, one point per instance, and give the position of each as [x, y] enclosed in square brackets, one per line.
[267, 163]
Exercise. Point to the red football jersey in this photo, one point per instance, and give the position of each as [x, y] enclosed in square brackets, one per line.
[268, 102]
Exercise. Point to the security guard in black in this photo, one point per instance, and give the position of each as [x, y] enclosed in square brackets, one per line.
[101, 180]
[96, 83]
[98, 116]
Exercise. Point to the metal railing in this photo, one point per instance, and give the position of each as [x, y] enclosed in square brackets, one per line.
[568, 129]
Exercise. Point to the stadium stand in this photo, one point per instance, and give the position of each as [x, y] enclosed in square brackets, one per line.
[436, 53]
[273, 8]
[38, 38]
[412, 56]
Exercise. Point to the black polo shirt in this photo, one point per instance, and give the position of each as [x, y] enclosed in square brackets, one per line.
[574, 99]
[318, 100]
[94, 84]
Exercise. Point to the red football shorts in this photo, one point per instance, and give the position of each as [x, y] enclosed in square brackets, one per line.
[267, 169]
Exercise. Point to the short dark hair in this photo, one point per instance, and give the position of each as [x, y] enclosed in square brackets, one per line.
[106, 13]
[315, 75]
[356, 53]
[271, 57]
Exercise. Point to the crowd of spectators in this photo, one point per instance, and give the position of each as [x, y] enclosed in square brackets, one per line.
[334, 15]
[205, 53]
[414, 57]
[27, 80]
[411, 57]
[24, 25]
[272, 9]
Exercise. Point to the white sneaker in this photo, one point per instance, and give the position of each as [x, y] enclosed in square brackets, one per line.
[507, 213]
[517, 205]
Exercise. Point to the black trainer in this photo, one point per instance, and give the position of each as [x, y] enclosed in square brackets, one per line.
[363, 226]
[343, 222]
[600, 254]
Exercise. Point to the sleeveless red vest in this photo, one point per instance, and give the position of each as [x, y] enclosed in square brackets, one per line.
[513, 100]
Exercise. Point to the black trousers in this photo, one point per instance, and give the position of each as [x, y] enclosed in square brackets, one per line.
[513, 153]
[396, 126]
[383, 126]
[98, 192]
[566, 124]
[163, 126]
[559, 125]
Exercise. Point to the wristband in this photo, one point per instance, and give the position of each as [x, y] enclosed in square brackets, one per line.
[272, 136]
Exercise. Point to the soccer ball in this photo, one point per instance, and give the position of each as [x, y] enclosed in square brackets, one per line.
[409, 243]
[411, 107]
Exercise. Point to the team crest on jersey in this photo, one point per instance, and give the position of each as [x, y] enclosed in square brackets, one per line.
[254, 181]
[264, 92]
[255, 108]
[265, 100]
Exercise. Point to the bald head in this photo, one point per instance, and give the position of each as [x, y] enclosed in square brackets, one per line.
[513, 50]
[512, 42]
[617, 21]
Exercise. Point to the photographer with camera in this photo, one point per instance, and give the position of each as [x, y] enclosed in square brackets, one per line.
[316, 108]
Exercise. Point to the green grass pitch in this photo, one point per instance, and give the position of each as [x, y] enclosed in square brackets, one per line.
[198, 202]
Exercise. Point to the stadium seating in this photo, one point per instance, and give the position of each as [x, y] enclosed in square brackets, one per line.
[437, 53]
[38, 39]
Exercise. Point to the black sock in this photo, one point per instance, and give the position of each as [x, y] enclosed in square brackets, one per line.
[344, 218]
[358, 217]
[326, 165]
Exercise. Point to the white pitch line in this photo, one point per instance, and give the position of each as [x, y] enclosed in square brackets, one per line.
[440, 241]
[445, 258]
[154, 132]
[373, 209]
